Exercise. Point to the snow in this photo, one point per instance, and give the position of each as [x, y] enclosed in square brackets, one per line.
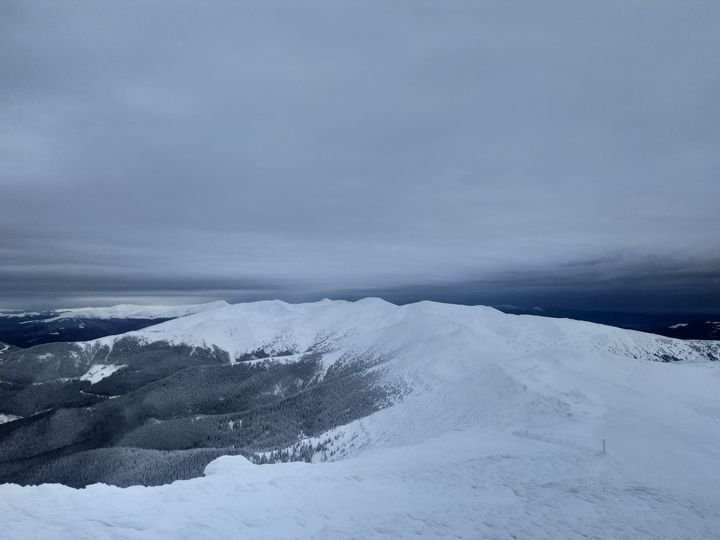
[13, 314]
[499, 436]
[274, 325]
[98, 372]
[373, 323]
[678, 325]
[5, 418]
[131, 311]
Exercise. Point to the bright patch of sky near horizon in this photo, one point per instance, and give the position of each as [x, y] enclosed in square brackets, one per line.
[267, 149]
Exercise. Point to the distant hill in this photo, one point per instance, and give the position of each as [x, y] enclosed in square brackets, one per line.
[26, 329]
[675, 325]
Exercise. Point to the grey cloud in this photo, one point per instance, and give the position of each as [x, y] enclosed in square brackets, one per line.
[637, 286]
[339, 146]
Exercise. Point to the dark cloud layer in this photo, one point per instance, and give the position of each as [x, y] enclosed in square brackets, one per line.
[466, 151]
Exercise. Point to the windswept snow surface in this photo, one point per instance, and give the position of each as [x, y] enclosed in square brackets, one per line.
[131, 311]
[499, 435]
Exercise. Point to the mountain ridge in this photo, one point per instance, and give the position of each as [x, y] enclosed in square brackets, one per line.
[417, 419]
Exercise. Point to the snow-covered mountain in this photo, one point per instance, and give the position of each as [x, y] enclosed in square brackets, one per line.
[421, 420]
[28, 328]
[134, 311]
[373, 323]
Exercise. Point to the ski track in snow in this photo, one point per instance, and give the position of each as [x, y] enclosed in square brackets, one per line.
[500, 437]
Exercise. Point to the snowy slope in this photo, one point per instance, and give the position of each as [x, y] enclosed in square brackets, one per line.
[132, 311]
[28, 329]
[374, 323]
[498, 435]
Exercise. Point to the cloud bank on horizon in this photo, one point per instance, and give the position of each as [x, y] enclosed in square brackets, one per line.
[471, 151]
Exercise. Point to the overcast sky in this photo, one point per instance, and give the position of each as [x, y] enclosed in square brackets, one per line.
[565, 153]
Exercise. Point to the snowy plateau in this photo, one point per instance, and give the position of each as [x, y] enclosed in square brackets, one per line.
[131, 311]
[492, 426]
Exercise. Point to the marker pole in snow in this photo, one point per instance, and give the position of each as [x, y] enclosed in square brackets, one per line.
[603, 447]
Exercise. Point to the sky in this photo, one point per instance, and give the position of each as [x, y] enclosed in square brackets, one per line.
[563, 153]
